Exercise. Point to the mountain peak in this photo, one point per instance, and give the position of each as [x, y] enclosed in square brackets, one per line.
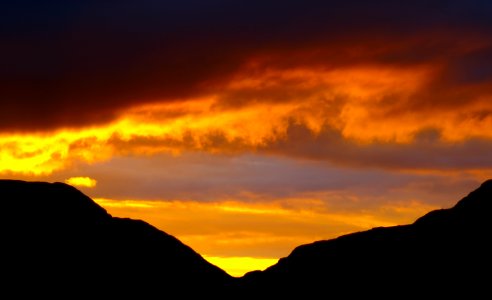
[51, 202]
[445, 248]
[55, 236]
[471, 211]
[479, 199]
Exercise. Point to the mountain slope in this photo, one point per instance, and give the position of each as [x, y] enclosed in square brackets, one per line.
[55, 238]
[443, 252]
[57, 242]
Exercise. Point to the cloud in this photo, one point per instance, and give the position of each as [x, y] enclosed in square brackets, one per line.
[427, 151]
[81, 182]
[350, 116]
[83, 64]
[203, 177]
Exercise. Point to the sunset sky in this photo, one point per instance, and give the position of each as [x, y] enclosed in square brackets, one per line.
[247, 128]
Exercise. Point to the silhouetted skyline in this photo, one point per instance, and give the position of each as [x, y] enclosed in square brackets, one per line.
[68, 243]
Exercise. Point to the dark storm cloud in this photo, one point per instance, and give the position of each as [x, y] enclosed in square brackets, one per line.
[69, 63]
[427, 151]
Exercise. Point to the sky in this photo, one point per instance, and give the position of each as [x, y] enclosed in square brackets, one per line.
[247, 128]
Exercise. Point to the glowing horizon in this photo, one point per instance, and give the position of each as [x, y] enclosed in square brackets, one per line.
[240, 229]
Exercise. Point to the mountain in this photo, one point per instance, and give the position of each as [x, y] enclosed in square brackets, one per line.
[444, 253]
[57, 241]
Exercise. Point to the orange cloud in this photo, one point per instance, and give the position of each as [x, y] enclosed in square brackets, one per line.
[362, 105]
[82, 75]
[82, 182]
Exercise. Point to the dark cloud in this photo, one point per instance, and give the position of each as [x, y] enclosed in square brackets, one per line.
[256, 178]
[68, 63]
[427, 152]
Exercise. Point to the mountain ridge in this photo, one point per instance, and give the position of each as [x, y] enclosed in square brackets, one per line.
[53, 228]
[54, 235]
[445, 247]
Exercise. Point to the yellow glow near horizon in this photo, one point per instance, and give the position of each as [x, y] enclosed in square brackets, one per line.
[82, 182]
[240, 237]
[238, 266]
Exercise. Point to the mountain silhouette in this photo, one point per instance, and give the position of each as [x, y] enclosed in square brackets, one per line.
[442, 253]
[58, 242]
[54, 239]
